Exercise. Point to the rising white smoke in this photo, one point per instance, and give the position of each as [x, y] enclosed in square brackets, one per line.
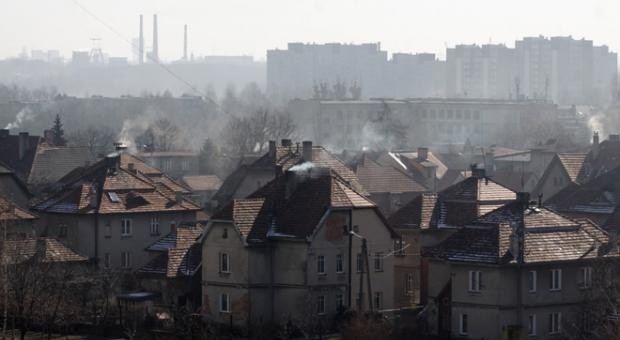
[303, 167]
[24, 115]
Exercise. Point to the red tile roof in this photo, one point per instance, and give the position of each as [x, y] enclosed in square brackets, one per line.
[9, 211]
[572, 163]
[417, 213]
[180, 254]
[107, 188]
[203, 182]
[376, 178]
[46, 250]
[291, 204]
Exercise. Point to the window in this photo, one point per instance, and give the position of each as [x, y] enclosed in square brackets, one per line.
[339, 302]
[360, 263]
[398, 247]
[154, 225]
[320, 264]
[409, 284]
[585, 277]
[474, 280]
[107, 229]
[378, 300]
[379, 262]
[531, 325]
[555, 323]
[225, 233]
[463, 324]
[125, 259]
[185, 164]
[531, 281]
[224, 263]
[339, 264]
[106, 260]
[556, 279]
[320, 304]
[126, 227]
[224, 303]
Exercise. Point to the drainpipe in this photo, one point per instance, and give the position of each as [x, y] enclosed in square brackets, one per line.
[350, 233]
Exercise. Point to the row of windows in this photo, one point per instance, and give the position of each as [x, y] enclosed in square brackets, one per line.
[125, 260]
[127, 227]
[320, 303]
[584, 279]
[377, 263]
[554, 324]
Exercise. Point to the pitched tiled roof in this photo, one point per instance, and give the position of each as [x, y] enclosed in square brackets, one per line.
[53, 162]
[180, 254]
[599, 160]
[376, 178]
[203, 182]
[578, 240]
[456, 205]
[409, 161]
[286, 157]
[572, 163]
[9, 211]
[417, 213]
[291, 204]
[107, 188]
[532, 216]
[47, 250]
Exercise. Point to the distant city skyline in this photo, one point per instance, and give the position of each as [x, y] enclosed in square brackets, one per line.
[237, 27]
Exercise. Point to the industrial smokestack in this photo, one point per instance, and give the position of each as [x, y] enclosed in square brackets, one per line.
[141, 43]
[155, 54]
[185, 43]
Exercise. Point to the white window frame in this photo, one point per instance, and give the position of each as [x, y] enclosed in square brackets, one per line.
[126, 227]
[224, 262]
[555, 323]
[320, 304]
[531, 325]
[125, 259]
[585, 275]
[474, 281]
[339, 264]
[154, 228]
[532, 281]
[556, 279]
[320, 265]
[378, 262]
[226, 299]
[463, 324]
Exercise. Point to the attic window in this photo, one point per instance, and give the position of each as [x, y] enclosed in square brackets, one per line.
[113, 197]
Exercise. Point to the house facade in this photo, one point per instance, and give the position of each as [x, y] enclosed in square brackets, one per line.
[283, 253]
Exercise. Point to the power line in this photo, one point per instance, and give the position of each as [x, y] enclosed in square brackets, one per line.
[136, 48]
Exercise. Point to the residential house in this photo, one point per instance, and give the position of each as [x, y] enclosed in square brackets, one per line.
[422, 165]
[279, 158]
[388, 187]
[203, 187]
[13, 187]
[519, 271]
[561, 172]
[602, 157]
[43, 250]
[282, 254]
[175, 164]
[18, 223]
[112, 210]
[37, 162]
[174, 270]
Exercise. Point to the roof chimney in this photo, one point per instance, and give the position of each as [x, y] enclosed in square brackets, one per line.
[595, 139]
[178, 197]
[477, 172]
[307, 151]
[131, 167]
[23, 144]
[422, 154]
[287, 142]
[120, 146]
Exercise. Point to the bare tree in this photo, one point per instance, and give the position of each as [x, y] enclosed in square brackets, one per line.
[99, 140]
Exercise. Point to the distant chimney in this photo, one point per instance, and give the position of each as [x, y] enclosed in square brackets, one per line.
[120, 146]
[614, 137]
[4, 133]
[595, 139]
[422, 154]
[307, 151]
[185, 42]
[141, 44]
[178, 197]
[23, 144]
[155, 53]
[272, 149]
[287, 142]
[476, 172]
[49, 136]
[132, 168]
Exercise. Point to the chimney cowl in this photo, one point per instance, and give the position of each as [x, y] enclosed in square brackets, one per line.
[307, 151]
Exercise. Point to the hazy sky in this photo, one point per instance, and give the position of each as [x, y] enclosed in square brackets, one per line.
[250, 27]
